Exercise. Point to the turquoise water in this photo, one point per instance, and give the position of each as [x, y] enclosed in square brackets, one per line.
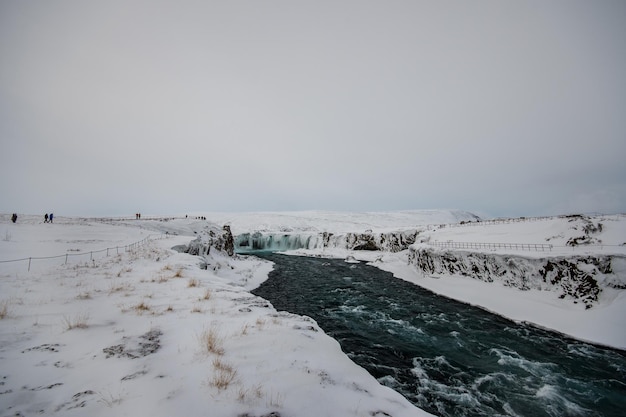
[447, 357]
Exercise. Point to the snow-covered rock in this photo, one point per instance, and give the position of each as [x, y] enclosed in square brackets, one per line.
[580, 278]
[211, 237]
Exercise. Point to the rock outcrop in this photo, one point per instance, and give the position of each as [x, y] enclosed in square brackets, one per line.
[212, 238]
[579, 278]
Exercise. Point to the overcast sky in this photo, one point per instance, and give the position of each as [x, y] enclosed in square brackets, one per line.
[505, 108]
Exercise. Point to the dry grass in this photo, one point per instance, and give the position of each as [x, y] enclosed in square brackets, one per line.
[4, 309]
[78, 322]
[207, 295]
[196, 309]
[179, 273]
[212, 341]
[274, 399]
[254, 393]
[224, 374]
[84, 296]
[193, 283]
[117, 287]
[110, 399]
[141, 307]
[129, 269]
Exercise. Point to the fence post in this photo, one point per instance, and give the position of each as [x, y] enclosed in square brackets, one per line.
[66, 259]
[29, 263]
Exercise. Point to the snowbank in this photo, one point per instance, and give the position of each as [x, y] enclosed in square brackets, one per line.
[147, 331]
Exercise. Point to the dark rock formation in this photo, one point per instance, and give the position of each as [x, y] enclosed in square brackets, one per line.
[576, 278]
[220, 240]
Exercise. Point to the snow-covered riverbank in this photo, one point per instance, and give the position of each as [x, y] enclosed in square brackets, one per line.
[601, 324]
[570, 237]
[148, 332]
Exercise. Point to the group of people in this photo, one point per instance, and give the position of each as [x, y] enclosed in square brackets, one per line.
[137, 216]
[46, 219]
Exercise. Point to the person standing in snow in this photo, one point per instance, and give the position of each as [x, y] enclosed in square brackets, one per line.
[51, 217]
[45, 218]
[14, 218]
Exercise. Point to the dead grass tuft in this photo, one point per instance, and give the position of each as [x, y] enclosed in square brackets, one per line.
[78, 322]
[224, 374]
[250, 394]
[124, 270]
[4, 309]
[193, 283]
[212, 341]
[117, 287]
[141, 307]
[84, 296]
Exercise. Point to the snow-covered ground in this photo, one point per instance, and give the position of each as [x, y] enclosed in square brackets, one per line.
[336, 221]
[142, 329]
[145, 331]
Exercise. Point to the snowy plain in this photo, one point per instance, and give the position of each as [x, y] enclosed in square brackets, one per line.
[144, 330]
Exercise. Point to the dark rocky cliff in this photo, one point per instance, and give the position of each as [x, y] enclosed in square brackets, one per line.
[580, 278]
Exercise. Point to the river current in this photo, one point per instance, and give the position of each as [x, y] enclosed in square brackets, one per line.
[444, 356]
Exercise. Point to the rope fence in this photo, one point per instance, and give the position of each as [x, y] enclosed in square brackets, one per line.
[469, 223]
[109, 251]
[476, 245]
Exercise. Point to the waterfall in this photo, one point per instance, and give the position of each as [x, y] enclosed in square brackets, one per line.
[275, 242]
[392, 242]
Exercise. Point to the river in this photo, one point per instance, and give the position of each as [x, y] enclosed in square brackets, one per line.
[446, 357]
